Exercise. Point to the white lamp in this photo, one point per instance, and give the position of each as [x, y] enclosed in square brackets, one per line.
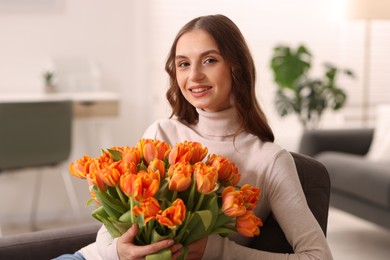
[367, 10]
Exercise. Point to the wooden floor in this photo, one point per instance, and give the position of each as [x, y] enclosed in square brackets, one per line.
[351, 238]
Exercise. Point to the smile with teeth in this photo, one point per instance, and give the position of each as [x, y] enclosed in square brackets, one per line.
[198, 90]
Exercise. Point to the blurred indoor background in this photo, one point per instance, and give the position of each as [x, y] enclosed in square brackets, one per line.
[118, 48]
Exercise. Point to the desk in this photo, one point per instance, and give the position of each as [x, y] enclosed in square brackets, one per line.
[85, 104]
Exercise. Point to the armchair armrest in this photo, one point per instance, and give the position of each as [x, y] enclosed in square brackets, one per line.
[355, 141]
[47, 244]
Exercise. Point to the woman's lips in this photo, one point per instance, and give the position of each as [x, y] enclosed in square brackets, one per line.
[199, 90]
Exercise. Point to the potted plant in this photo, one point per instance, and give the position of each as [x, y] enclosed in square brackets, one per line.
[48, 77]
[298, 92]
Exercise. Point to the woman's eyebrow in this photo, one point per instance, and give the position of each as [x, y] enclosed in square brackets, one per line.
[202, 54]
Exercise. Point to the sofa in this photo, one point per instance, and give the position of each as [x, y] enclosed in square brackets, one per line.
[48, 244]
[359, 185]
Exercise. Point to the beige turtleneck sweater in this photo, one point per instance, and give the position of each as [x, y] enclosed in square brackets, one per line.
[262, 164]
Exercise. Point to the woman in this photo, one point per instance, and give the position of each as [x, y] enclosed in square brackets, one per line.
[212, 94]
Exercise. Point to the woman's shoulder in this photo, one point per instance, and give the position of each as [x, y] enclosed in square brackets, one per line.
[272, 152]
[166, 123]
[254, 142]
[162, 127]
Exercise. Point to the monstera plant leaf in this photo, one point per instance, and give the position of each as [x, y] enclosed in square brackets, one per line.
[298, 92]
[290, 65]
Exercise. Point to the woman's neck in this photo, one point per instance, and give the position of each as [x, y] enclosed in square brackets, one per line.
[219, 124]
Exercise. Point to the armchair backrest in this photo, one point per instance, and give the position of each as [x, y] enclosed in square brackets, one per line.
[34, 133]
[315, 182]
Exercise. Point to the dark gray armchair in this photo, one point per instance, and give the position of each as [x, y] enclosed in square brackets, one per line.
[51, 243]
[359, 186]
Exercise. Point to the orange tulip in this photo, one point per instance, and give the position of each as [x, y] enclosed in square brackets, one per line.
[140, 186]
[127, 183]
[96, 176]
[149, 208]
[111, 174]
[173, 215]
[80, 168]
[180, 175]
[192, 152]
[248, 224]
[125, 168]
[105, 160]
[233, 202]
[163, 150]
[251, 196]
[157, 165]
[131, 155]
[198, 153]
[206, 177]
[227, 171]
[150, 149]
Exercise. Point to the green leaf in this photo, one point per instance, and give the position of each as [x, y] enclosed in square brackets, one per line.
[191, 196]
[198, 226]
[115, 154]
[224, 231]
[112, 208]
[223, 220]
[126, 217]
[99, 211]
[90, 201]
[211, 202]
[156, 236]
[122, 227]
[164, 254]
[290, 65]
[206, 216]
[114, 232]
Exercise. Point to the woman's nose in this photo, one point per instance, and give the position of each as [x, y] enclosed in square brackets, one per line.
[196, 73]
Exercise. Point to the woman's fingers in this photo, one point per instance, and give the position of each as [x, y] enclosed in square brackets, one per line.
[129, 235]
[128, 250]
[155, 247]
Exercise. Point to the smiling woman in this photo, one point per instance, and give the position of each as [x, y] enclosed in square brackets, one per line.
[202, 72]
[212, 95]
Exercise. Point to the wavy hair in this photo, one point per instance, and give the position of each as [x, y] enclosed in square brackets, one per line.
[234, 49]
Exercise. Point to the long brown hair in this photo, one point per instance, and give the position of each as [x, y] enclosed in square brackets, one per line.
[234, 49]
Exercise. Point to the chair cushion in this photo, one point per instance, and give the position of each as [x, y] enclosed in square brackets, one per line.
[358, 177]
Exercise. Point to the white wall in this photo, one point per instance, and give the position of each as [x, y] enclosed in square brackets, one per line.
[129, 40]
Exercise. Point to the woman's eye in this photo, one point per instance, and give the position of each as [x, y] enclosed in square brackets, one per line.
[182, 64]
[210, 60]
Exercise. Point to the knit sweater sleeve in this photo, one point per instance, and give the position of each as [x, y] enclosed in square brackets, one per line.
[288, 204]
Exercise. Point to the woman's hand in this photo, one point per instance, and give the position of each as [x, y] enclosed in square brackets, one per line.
[195, 250]
[127, 250]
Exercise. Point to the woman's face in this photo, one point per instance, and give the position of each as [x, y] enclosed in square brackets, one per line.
[203, 75]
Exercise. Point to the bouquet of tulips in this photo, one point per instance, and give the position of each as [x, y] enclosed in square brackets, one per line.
[169, 192]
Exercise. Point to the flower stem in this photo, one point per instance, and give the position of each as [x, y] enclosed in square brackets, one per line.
[183, 228]
[174, 196]
[120, 194]
[131, 199]
[200, 201]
